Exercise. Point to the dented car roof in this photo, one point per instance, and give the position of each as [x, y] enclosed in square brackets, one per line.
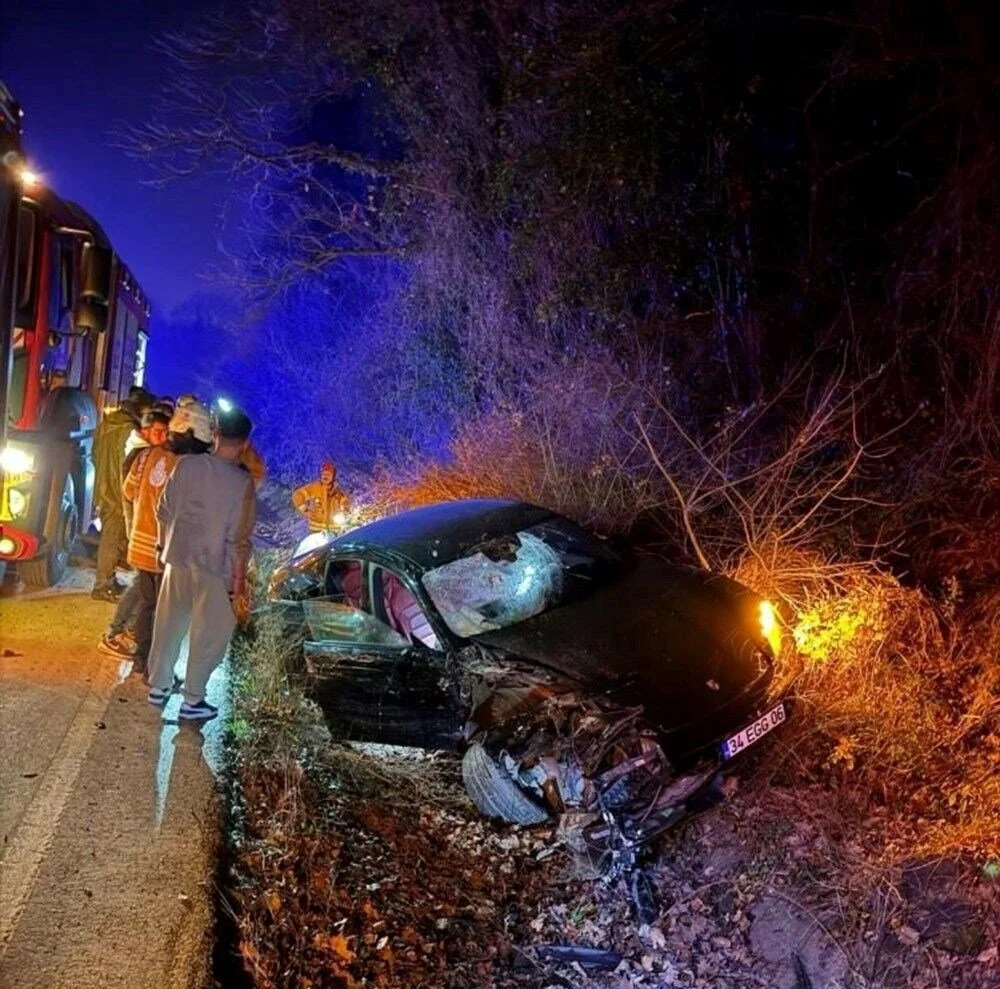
[432, 535]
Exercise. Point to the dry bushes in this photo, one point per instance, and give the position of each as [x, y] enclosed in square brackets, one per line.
[566, 442]
[899, 706]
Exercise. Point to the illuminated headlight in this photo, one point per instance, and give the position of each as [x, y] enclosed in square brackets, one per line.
[7, 546]
[17, 502]
[340, 518]
[769, 625]
[15, 461]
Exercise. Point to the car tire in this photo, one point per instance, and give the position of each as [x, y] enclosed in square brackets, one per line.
[494, 792]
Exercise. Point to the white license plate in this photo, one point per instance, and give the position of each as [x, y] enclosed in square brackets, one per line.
[754, 732]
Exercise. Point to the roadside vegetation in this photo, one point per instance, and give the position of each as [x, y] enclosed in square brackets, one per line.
[720, 277]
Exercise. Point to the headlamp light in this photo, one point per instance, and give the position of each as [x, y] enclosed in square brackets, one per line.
[15, 461]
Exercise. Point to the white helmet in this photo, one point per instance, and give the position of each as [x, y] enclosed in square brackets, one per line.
[193, 416]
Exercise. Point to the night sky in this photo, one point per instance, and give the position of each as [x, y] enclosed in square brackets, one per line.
[80, 70]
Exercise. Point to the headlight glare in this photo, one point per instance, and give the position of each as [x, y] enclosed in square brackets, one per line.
[15, 461]
[769, 626]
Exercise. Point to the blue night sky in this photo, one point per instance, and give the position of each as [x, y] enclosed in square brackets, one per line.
[81, 69]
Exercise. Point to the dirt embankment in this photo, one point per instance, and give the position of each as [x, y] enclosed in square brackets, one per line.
[361, 869]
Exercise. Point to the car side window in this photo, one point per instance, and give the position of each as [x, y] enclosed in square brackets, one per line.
[344, 582]
[339, 623]
[402, 610]
[342, 614]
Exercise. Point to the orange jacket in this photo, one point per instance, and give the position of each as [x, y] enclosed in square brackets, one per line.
[319, 504]
[143, 486]
[253, 462]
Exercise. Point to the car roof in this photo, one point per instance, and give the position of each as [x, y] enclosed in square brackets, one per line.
[432, 535]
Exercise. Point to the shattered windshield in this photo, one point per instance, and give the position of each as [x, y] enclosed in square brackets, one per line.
[505, 580]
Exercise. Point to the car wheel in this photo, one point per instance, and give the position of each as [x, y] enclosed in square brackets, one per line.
[494, 792]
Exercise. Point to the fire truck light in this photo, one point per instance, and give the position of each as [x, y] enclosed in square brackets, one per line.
[17, 501]
[29, 178]
[7, 546]
[15, 461]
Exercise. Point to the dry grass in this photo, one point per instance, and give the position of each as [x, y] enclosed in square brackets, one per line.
[900, 701]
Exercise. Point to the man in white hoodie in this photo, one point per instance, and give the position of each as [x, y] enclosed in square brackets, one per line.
[206, 515]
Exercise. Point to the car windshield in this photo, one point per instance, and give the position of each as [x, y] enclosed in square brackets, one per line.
[508, 579]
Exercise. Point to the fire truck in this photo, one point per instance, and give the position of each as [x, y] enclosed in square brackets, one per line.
[74, 343]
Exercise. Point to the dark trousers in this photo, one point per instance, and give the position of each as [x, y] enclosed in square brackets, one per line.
[149, 588]
[125, 610]
[112, 545]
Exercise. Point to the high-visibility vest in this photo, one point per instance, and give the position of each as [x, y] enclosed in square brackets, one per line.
[319, 504]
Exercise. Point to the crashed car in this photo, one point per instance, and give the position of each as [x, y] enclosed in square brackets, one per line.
[607, 687]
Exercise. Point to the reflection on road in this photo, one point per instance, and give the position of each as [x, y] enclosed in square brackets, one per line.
[208, 735]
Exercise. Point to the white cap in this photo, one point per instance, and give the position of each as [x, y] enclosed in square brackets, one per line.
[193, 416]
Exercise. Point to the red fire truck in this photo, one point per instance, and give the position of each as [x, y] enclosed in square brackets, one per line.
[76, 345]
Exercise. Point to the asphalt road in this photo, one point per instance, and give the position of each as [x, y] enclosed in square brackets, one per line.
[108, 814]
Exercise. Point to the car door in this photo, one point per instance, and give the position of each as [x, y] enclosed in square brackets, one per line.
[373, 682]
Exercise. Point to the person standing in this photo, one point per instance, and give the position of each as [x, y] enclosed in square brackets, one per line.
[250, 459]
[189, 432]
[321, 501]
[206, 516]
[109, 459]
[117, 641]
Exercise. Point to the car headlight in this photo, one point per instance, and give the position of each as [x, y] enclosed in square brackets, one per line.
[16, 461]
[17, 502]
[769, 626]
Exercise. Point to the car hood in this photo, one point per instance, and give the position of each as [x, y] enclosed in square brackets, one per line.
[681, 642]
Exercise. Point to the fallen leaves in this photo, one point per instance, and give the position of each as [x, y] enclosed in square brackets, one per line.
[365, 879]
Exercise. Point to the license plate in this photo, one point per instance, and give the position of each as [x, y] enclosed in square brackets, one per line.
[754, 732]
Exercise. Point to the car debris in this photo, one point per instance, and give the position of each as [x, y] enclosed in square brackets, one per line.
[593, 958]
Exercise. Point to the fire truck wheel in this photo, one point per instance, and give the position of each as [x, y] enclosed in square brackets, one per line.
[50, 567]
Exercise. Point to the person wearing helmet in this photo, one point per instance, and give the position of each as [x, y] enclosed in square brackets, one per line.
[250, 460]
[322, 501]
[109, 461]
[206, 515]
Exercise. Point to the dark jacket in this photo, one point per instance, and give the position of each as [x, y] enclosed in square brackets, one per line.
[109, 456]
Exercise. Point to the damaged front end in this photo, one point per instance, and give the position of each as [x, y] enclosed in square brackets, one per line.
[540, 749]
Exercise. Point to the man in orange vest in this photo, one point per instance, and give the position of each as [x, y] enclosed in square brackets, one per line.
[322, 501]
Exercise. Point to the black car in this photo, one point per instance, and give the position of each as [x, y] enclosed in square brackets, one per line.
[578, 680]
